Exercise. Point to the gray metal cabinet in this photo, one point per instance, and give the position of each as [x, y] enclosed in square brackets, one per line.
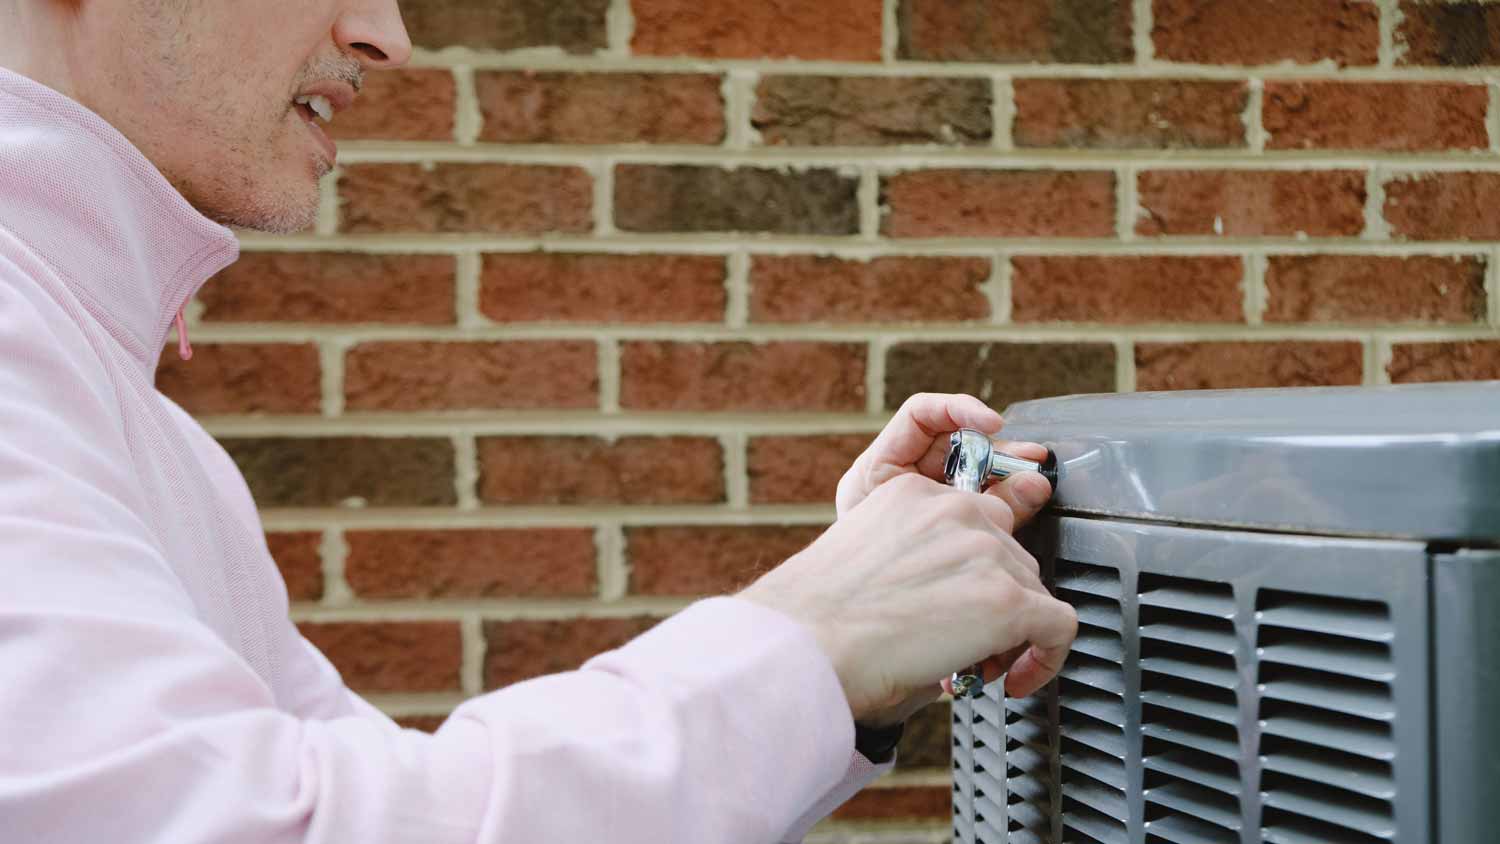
[1287, 626]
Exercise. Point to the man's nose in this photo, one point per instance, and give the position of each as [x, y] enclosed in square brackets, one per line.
[373, 31]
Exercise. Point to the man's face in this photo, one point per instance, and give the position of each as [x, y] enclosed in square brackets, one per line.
[209, 89]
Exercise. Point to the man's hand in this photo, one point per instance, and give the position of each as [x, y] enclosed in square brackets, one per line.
[917, 580]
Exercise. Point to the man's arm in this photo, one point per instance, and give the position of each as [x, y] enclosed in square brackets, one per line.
[123, 717]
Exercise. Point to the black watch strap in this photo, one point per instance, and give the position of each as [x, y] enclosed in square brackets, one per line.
[877, 744]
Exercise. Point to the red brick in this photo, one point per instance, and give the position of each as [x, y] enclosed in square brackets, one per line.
[1451, 34]
[1252, 203]
[485, 198]
[391, 656]
[332, 287]
[1444, 206]
[1126, 113]
[1373, 288]
[524, 107]
[400, 105]
[684, 198]
[999, 203]
[576, 26]
[298, 557]
[1471, 360]
[1232, 365]
[1128, 289]
[334, 471]
[1000, 374]
[425, 723]
[551, 287]
[243, 378]
[1346, 32]
[517, 374]
[1402, 117]
[805, 288]
[664, 375]
[522, 650]
[541, 471]
[872, 111]
[801, 469]
[1016, 31]
[709, 560]
[925, 802]
[518, 563]
[848, 30]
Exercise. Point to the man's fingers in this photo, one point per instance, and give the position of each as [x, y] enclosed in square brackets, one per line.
[1050, 626]
[1026, 493]
[925, 417]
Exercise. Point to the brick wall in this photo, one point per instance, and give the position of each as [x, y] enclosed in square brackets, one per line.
[605, 295]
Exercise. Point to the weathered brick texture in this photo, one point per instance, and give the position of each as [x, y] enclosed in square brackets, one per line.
[801, 469]
[1128, 289]
[517, 374]
[1123, 114]
[391, 656]
[650, 198]
[243, 378]
[1473, 360]
[577, 26]
[600, 108]
[1374, 289]
[1232, 365]
[493, 198]
[667, 375]
[1252, 203]
[1016, 31]
[403, 105]
[801, 288]
[1444, 206]
[1450, 34]
[872, 111]
[588, 470]
[999, 373]
[1403, 117]
[329, 472]
[596, 288]
[833, 29]
[300, 561]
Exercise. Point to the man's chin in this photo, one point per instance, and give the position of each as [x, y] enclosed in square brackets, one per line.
[280, 215]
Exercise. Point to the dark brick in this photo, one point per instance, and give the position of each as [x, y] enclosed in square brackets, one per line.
[848, 30]
[709, 560]
[327, 471]
[925, 802]
[1374, 289]
[872, 111]
[1126, 113]
[806, 288]
[553, 287]
[1128, 289]
[1017, 31]
[683, 198]
[1396, 116]
[1267, 31]
[1451, 34]
[1252, 203]
[1471, 360]
[459, 198]
[998, 373]
[541, 471]
[999, 203]
[1239, 365]
[332, 287]
[577, 26]
[522, 650]
[801, 469]
[522, 107]
[927, 741]
[742, 376]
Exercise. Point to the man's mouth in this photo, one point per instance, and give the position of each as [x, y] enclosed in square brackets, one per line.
[314, 106]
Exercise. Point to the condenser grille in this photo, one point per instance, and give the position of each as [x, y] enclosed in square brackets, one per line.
[1090, 695]
[1223, 688]
[1327, 713]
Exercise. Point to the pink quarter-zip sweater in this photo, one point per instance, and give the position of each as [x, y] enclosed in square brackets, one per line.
[152, 687]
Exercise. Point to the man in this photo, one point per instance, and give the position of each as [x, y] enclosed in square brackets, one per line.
[154, 688]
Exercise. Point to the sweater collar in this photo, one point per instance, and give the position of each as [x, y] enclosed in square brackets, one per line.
[86, 201]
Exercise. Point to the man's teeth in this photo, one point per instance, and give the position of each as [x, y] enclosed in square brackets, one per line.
[318, 104]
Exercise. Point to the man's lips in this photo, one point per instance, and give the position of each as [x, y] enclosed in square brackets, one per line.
[339, 96]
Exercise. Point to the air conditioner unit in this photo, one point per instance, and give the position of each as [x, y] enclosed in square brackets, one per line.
[1289, 624]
